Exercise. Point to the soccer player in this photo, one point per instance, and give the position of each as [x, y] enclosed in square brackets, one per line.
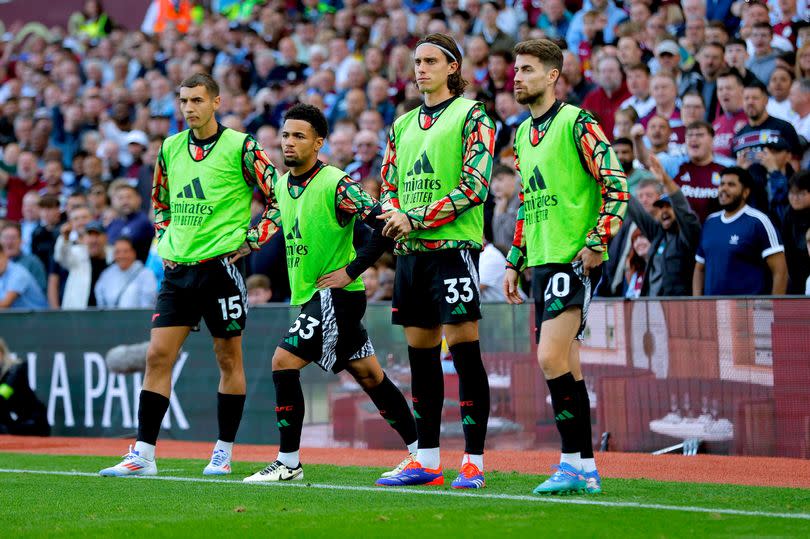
[320, 204]
[573, 200]
[436, 174]
[203, 184]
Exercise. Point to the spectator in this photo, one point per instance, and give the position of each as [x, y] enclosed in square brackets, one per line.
[258, 289]
[340, 149]
[636, 264]
[127, 283]
[710, 60]
[572, 71]
[732, 117]
[130, 221]
[761, 128]
[773, 171]
[763, 60]
[367, 158]
[627, 158]
[623, 123]
[18, 289]
[30, 219]
[674, 235]
[500, 77]
[371, 283]
[84, 262]
[740, 252]
[795, 230]
[30, 417]
[44, 236]
[800, 103]
[736, 57]
[492, 269]
[555, 19]
[11, 240]
[699, 177]
[607, 98]
[665, 94]
[604, 8]
[638, 84]
[505, 188]
[779, 88]
[496, 38]
[26, 179]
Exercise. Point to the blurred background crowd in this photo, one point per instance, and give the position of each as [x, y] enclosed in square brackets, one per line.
[684, 89]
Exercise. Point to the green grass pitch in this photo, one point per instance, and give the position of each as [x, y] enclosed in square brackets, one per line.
[339, 502]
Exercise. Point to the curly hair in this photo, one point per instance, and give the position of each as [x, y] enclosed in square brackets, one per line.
[310, 114]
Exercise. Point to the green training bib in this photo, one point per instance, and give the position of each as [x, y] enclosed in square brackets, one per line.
[315, 242]
[429, 163]
[209, 199]
[561, 200]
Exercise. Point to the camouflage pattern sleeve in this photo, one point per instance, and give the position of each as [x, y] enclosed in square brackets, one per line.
[352, 200]
[479, 136]
[260, 172]
[388, 190]
[600, 160]
[160, 196]
[516, 259]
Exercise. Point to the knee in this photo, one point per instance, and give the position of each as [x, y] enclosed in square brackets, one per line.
[159, 359]
[282, 361]
[228, 359]
[550, 364]
[369, 380]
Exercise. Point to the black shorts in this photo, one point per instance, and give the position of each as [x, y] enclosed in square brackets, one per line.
[432, 289]
[558, 287]
[214, 291]
[329, 331]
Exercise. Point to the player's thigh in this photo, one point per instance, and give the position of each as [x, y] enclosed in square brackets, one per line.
[177, 304]
[223, 299]
[461, 332]
[556, 337]
[454, 285]
[164, 346]
[423, 337]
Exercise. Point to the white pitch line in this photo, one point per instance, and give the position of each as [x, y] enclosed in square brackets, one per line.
[467, 494]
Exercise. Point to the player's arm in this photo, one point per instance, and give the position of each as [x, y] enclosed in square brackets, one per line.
[258, 171]
[352, 201]
[516, 258]
[479, 148]
[160, 196]
[600, 160]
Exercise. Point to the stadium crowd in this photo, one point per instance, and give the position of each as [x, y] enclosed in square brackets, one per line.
[693, 94]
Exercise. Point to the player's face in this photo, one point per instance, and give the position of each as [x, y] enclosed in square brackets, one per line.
[431, 68]
[299, 142]
[731, 194]
[197, 106]
[532, 79]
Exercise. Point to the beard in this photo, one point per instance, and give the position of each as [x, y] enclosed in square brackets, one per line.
[292, 162]
[528, 99]
[733, 204]
[627, 166]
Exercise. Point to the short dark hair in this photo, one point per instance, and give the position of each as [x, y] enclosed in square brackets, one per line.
[736, 41]
[762, 25]
[545, 50]
[15, 226]
[503, 53]
[759, 85]
[202, 79]
[638, 67]
[745, 177]
[502, 169]
[49, 201]
[701, 124]
[732, 74]
[455, 82]
[800, 180]
[310, 114]
[714, 44]
[623, 140]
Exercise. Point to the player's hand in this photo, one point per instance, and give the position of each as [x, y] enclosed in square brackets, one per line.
[397, 224]
[243, 250]
[170, 264]
[590, 259]
[510, 287]
[336, 279]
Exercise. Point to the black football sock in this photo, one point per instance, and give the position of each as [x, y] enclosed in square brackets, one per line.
[586, 440]
[229, 415]
[289, 408]
[151, 409]
[565, 402]
[427, 388]
[473, 388]
[394, 409]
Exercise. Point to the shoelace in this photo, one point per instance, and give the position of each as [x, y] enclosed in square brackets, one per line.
[470, 470]
[404, 464]
[560, 474]
[219, 458]
[273, 466]
[130, 454]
